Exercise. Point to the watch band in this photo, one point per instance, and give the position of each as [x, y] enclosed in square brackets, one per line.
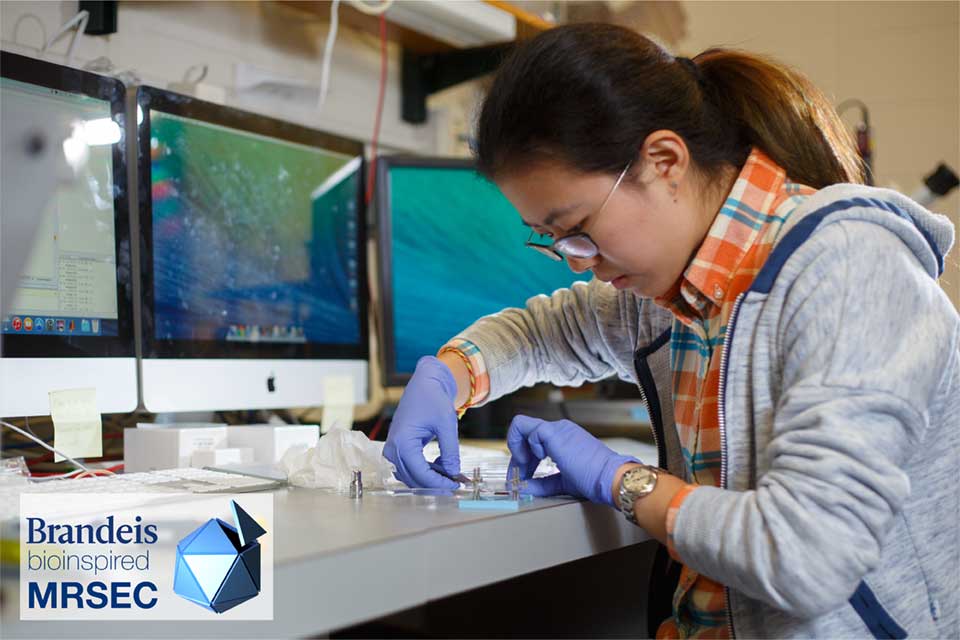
[627, 498]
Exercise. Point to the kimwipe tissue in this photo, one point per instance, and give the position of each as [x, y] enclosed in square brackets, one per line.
[330, 463]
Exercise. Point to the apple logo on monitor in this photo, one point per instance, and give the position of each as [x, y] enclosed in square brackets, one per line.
[271, 382]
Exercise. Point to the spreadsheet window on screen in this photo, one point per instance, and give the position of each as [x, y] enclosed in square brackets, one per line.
[457, 254]
[254, 238]
[69, 282]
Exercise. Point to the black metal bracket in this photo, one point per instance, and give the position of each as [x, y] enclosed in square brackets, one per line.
[425, 74]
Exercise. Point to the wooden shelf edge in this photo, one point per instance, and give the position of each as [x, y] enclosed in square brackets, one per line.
[524, 18]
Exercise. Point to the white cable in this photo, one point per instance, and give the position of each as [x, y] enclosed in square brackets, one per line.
[105, 67]
[43, 29]
[81, 28]
[371, 9]
[363, 7]
[45, 445]
[80, 22]
[59, 476]
[328, 53]
[76, 473]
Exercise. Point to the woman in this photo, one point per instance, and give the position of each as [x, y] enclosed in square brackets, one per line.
[784, 323]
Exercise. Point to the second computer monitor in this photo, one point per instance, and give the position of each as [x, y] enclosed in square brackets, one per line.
[253, 258]
[451, 251]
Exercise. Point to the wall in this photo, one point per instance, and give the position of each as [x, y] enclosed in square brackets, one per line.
[161, 40]
[901, 58]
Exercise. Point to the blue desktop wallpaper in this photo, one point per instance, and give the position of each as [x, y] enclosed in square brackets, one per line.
[457, 254]
[254, 239]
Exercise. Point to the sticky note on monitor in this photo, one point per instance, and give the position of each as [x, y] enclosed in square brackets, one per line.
[337, 403]
[77, 430]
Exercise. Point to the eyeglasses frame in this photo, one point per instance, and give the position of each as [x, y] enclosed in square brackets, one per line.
[551, 251]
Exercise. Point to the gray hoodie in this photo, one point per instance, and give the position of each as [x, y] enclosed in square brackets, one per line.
[839, 415]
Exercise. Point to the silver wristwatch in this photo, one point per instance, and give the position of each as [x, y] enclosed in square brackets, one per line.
[638, 482]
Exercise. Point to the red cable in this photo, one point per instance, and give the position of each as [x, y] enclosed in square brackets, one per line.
[48, 457]
[93, 471]
[372, 174]
[376, 428]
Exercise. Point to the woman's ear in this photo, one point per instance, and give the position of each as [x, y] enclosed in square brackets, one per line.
[664, 155]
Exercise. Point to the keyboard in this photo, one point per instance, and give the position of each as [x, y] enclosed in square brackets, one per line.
[198, 481]
[158, 483]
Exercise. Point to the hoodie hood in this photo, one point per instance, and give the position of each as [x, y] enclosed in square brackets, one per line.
[929, 235]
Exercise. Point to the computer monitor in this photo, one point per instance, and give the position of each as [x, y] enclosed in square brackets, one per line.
[252, 258]
[69, 321]
[451, 251]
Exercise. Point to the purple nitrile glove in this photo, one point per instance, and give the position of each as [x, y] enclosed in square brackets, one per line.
[425, 412]
[587, 466]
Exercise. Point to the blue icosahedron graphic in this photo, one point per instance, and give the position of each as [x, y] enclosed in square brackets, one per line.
[218, 565]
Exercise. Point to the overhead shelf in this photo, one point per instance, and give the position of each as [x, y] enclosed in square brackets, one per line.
[434, 26]
[433, 34]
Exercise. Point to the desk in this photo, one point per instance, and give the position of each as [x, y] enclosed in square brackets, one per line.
[338, 562]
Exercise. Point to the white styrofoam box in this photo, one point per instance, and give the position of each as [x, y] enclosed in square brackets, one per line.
[157, 446]
[269, 442]
[221, 457]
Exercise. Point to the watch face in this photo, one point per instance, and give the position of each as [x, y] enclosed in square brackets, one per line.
[639, 480]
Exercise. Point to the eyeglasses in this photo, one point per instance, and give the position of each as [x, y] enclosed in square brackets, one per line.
[575, 245]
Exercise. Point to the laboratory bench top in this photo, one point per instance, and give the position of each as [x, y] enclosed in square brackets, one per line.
[339, 561]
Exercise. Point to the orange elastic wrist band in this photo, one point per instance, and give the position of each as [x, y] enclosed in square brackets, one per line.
[473, 379]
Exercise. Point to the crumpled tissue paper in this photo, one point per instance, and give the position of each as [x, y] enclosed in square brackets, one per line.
[329, 464]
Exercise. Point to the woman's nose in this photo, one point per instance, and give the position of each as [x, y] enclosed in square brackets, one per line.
[581, 265]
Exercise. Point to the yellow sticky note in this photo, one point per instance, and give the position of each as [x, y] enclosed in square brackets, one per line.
[337, 403]
[77, 430]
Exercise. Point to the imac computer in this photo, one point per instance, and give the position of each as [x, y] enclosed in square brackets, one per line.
[67, 320]
[451, 250]
[252, 259]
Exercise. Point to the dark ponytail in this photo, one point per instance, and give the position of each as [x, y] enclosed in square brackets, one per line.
[779, 110]
[588, 95]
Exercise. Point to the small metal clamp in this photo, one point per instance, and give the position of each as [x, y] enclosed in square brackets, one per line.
[516, 484]
[356, 485]
[477, 483]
